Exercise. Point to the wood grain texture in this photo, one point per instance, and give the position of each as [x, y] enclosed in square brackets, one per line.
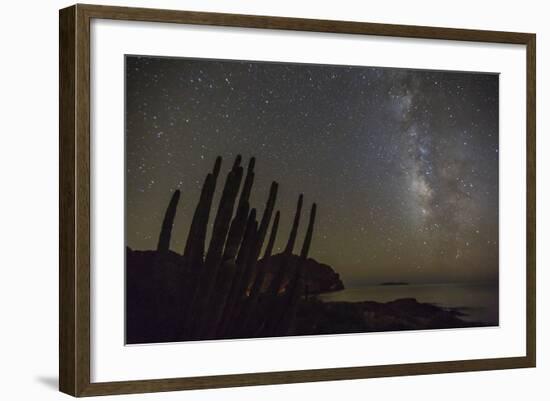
[74, 199]
[301, 24]
[82, 201]
[302, 376]
[531, 228]
[67, 265]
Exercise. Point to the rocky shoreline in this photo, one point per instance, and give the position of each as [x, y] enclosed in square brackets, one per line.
[318, 317]
[147, 304]
[319, 278]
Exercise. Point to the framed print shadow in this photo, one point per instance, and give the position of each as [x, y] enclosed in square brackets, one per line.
[298, 201]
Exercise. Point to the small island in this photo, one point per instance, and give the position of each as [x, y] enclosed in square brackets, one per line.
[394, 283]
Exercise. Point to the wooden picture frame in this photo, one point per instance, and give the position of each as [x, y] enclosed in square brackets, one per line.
[74, 205]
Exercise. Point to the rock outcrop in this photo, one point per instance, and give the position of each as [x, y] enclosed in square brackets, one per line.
[317, 317]
[319, 277]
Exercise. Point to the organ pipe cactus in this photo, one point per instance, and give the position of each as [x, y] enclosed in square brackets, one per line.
[167, 223]
[223, 291]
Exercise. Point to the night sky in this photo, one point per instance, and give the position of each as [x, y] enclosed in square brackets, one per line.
[403, 164]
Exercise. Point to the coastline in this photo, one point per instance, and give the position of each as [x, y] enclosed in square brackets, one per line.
[320, 317]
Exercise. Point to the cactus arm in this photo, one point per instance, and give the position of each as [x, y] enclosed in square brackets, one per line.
[168, 223]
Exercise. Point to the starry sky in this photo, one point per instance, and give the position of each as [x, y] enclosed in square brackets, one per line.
[403, 164]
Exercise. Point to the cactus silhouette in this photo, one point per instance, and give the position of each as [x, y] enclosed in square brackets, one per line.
[167, 223]
[219, 291]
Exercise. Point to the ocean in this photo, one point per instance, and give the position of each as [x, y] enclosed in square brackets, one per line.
[477, 302]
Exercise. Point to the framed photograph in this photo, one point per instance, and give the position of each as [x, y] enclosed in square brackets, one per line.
[251, 200]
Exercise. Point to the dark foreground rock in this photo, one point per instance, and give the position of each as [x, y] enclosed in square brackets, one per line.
[154, 302]
[319, 277]
[317, 317]
[156, 296]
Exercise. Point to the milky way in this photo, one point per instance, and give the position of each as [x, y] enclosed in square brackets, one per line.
[402, 163]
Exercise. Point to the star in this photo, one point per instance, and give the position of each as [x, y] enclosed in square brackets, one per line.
[402, 163]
